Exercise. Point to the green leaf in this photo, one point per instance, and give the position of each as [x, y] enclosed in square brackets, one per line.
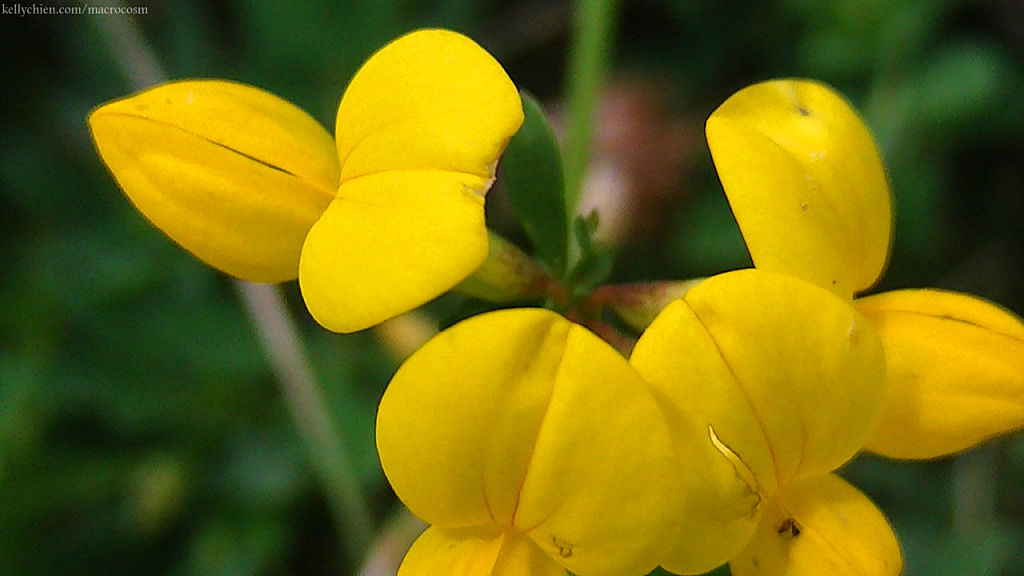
[594, 265]
[536, 186]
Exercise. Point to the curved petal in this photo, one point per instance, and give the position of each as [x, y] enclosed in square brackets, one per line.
[603, 483]
[519, 418]
[782, 378]
[457, 423]
[476, 552]
[805, 182]
[723, 486]
[419, 132]
[956, 372]
[432, 100]
[233, 174]
[821, 526]
[379, 251]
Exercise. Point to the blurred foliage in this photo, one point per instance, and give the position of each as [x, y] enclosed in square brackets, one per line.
[140, 427]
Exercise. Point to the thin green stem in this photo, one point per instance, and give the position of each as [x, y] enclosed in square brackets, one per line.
[974, 500]
[133, 55]
[396, 536]
[279, 337]
[593, 26]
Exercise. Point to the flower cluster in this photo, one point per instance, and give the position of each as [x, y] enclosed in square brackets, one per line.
[381, 218]
[768, 380]
[528, 443]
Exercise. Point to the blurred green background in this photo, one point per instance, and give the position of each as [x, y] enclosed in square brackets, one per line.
[140, 427]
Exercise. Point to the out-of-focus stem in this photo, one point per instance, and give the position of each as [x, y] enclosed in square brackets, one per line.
[593, 25]
[279, 337]
[133, 55]
[973, 497]
[395, 538]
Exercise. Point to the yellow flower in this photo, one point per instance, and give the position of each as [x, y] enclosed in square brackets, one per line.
[376, 221]
[783, 380]
[788, 376]
[532, 448]
[805, 183]
[807, 186]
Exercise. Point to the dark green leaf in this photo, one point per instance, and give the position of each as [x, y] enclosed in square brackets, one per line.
[536, 188]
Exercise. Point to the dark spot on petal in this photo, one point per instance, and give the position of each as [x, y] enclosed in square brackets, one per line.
[803, 111]
[789, 529]
[564, 548]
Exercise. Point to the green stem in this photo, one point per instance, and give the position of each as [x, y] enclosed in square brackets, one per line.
[278, 335]
[593, 25]
[974, 500]
[396, 536]
[131, 52]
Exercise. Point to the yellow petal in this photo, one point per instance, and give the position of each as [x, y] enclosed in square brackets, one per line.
[805, 182]
[389, 243]
[956, 372]
[430, 100]
[821, 526]
[233, 174]
[790, 364]
[722, 494]
[419, 132]
[476, 552]
[779, 376]
[603, 483]
[457, 423]
[519, 418]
